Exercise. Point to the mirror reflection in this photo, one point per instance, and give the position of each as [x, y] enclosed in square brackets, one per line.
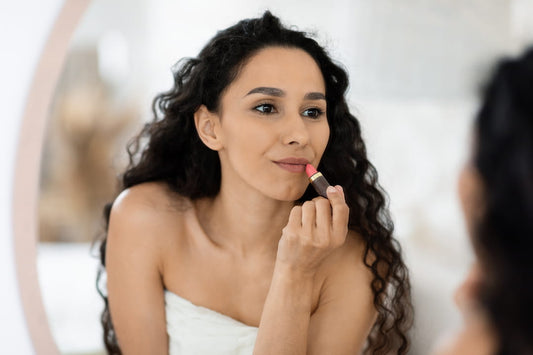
[413, 95]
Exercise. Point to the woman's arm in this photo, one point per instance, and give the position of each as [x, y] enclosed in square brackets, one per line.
[135, 289]
[345, 312]
[286, 314]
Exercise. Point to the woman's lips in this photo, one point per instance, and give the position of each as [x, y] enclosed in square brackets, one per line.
[293, 168]
[294, 165]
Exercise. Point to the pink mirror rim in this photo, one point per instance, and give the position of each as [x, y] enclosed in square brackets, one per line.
[27, 171]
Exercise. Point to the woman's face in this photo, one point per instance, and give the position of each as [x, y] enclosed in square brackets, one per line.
[470, 195]
[272, 121]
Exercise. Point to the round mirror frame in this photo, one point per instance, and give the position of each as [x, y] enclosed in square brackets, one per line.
[27, 171]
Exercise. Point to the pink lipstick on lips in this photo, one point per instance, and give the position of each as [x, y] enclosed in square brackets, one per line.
[318, 180]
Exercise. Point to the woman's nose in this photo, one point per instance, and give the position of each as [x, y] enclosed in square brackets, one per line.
[295, 131]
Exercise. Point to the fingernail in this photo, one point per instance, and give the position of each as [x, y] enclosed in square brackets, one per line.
[339, 188]
[331, 190]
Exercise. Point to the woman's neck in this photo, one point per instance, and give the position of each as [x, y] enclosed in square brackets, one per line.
[243, 223]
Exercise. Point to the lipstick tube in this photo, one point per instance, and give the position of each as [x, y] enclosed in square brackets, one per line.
[318, 180]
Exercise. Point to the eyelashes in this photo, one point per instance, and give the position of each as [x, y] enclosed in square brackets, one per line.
[265, 108]
[313, 113]
[269, 109]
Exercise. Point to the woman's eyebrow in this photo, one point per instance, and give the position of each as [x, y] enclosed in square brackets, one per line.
[315, 96]
[267, 91]
[280, 93]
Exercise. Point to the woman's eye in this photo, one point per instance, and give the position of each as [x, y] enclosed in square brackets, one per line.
[313, 112]
[265, 108]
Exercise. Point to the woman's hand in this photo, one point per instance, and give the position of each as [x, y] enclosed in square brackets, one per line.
[314, 230]
[476, 335]
[466, 296]
[320, 300]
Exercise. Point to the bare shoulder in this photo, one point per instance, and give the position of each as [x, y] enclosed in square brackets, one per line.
[147, 215]
[348, 259]
[148, 203]
[148, 197]
[345, 274]
[140, 229]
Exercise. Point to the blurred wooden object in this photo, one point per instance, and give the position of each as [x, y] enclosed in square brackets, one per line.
[78, 175]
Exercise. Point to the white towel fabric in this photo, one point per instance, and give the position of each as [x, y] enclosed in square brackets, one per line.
[198, 330]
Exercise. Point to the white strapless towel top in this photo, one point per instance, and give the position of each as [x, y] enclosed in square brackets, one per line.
[196, 330]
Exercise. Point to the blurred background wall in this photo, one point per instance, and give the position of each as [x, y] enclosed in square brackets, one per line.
[415, 69]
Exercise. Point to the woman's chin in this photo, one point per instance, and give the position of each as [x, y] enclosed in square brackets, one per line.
[289, 196]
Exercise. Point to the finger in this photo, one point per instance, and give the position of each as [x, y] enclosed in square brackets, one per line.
[337, 194]
[340, 212]
[308, 218]
[295, 217]
[323, 218]
[468, 291]
[341, 190]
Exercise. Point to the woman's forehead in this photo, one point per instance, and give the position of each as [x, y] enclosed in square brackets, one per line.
[287, 69]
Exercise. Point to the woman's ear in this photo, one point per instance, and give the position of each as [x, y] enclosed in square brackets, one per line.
[207, 125]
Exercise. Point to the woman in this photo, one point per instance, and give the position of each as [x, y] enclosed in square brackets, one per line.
[217, 223]
[496, 191]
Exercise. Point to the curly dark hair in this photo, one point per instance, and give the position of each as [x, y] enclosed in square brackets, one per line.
[169, 149]
[503, 236]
